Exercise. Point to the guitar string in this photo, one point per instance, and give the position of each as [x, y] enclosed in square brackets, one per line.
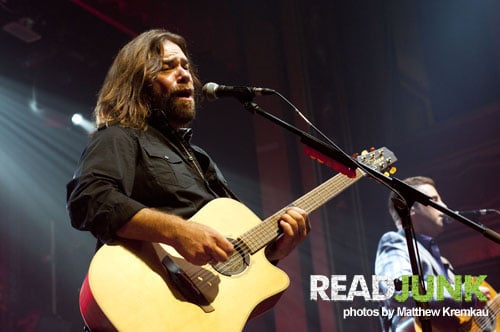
[494, 308]
[259, 236]
[309, 204]
[253, 239]
[250, 239]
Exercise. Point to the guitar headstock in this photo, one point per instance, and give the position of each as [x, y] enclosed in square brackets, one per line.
[380, 159]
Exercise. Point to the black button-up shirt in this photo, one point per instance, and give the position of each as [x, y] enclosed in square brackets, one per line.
[123, 170]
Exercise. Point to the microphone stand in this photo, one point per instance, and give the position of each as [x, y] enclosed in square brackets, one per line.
[305, 138]
[415, 195]
[409, 193]
[402, 206]
[407, 196]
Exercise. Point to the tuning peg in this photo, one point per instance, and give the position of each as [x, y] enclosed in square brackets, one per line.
[391, 171]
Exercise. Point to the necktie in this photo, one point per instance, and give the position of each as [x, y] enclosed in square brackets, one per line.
[437, 255]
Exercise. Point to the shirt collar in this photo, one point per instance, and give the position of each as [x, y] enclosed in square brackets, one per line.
[426, 240]
[181, 133]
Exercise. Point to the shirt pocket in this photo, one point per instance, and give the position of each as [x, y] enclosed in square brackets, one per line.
[167, 168]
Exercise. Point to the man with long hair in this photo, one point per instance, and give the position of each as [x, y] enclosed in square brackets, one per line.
[140, 177]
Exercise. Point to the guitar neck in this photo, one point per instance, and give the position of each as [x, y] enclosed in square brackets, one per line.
[261, 235]
[493, 306]
[323, 193]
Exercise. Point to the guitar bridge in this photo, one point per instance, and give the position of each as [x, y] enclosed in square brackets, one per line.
[183, 283]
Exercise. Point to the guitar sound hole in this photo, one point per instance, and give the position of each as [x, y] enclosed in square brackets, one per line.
[236, 263]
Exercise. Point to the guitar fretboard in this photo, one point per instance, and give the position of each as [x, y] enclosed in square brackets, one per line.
[487, 323]
[261, 235]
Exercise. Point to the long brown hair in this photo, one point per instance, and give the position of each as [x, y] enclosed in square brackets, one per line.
[124, 95]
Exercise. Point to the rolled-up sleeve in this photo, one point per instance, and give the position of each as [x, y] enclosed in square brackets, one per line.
[98, 196]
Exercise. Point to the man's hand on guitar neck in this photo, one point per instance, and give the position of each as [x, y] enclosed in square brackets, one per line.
[295, 227]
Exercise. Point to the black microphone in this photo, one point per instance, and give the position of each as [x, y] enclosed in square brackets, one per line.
[471, 213]
[212, 91]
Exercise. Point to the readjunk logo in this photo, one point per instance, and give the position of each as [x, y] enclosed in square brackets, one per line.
[335, 288]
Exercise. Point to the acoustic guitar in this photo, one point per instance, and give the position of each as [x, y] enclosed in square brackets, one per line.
[490, 323]
[141, 286]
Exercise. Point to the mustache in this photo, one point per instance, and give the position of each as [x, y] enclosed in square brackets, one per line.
[182, 90]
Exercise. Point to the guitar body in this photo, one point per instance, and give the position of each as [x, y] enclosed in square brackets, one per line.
[473, 324]
[129, 289]
[141, 286]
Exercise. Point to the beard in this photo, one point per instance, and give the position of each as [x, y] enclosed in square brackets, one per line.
[177, 111]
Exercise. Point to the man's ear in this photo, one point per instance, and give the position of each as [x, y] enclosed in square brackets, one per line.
[412, 211]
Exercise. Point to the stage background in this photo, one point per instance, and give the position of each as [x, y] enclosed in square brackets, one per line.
[420, 77]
